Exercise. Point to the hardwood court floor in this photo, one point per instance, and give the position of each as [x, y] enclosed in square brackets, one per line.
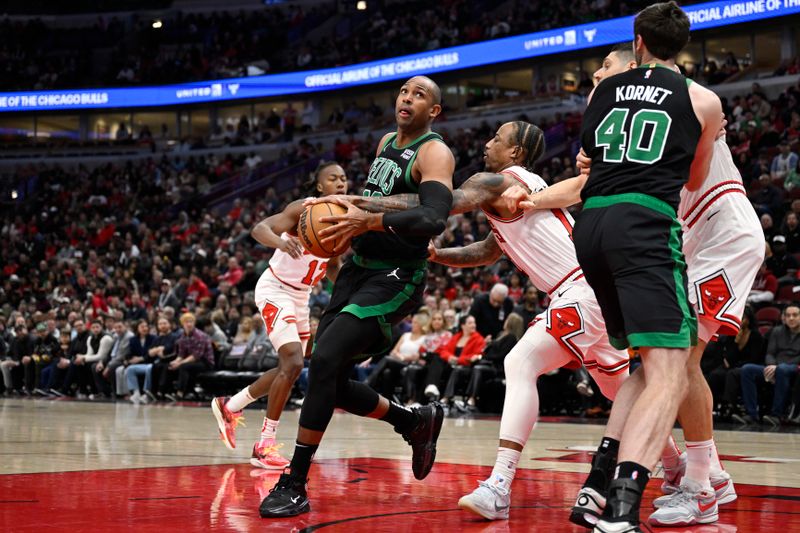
[81, 466]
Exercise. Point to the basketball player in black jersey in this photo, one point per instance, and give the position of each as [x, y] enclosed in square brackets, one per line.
[381, 284]
[646, 132]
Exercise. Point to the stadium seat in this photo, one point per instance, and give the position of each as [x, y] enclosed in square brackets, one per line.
[768, 316]
[786, 294]
[764, 330]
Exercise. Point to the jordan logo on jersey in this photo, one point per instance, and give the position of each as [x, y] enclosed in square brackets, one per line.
[383, 173]
[714, 298]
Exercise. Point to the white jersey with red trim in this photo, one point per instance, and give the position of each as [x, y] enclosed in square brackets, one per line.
[723, 179]
[538, 242]
[300, 274]
[724, 246]
[282, 294]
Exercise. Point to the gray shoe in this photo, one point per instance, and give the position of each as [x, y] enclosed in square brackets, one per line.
[772, 420]
[692, 505]
[488, 501]
[745, 419]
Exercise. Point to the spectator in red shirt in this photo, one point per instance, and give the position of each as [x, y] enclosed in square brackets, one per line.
[234, 273]
[455, 359]
[197, 289]
[764, 287]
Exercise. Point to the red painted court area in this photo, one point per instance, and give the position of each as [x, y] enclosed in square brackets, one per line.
[347, 495]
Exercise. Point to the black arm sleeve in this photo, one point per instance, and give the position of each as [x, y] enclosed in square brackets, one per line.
[426, 220]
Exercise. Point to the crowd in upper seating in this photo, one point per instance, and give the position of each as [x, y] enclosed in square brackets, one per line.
[119, 50]
[118, 267]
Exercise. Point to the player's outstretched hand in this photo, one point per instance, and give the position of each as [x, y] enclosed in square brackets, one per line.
[583, 162]
[516, 197]
[722, 131]
[354, 222]
[292, 246]
[432, 251]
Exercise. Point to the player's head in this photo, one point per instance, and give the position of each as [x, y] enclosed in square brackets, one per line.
[620, 59]
[515, 143]
[660, 29]
[418, 104]
[329, 178]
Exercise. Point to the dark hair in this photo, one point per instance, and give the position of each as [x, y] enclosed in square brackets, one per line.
[531, 139]
[791, 304]
[310, 187]
[463, 320]
[750, 315]
[202, 323]
[664, 29]
[625, 50]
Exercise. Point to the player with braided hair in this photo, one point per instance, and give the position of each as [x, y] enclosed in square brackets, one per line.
[570, 333]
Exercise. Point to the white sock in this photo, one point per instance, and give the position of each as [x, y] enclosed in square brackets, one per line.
[699, 462]
[670, 456]
[240, 400]
[716, 466]
[268, 431]
[504, 468]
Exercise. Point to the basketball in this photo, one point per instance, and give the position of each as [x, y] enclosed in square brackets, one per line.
[309, 226]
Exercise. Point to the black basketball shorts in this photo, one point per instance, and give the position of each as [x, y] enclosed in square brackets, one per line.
[386, 291]
[629, 247]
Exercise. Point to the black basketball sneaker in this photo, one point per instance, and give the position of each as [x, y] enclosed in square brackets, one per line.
[423, 438]
[287, 498]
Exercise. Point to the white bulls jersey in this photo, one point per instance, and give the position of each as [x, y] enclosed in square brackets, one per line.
[723, 244]
[282, 294]
[299, 274]
[538, 242]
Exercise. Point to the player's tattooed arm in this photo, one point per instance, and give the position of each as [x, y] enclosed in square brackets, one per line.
[481, 253]
[386, 204]
[480, 188]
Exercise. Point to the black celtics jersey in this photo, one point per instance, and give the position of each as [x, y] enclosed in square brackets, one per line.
[390, 173]
[641, 132]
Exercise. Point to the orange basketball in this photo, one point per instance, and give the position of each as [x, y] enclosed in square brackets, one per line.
[309, 226]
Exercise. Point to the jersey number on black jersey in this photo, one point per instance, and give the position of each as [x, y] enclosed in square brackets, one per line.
[640, 140]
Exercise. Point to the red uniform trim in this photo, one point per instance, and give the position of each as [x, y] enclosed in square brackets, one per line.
[705, 194]
[565, 278]
[562, 217]
[710, 203]
[504, 220]
[608, 370]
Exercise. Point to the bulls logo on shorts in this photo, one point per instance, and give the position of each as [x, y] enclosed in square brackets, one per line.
[714, 297]
[565, 323]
